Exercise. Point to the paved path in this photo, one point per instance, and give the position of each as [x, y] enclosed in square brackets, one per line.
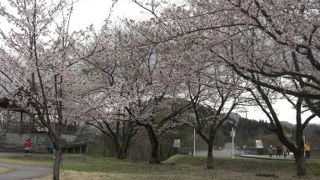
[224, 153]
[21, 172]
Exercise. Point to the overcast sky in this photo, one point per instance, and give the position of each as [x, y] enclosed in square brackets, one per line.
[87, 12]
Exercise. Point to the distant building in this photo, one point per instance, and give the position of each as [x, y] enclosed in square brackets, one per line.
[16, 126]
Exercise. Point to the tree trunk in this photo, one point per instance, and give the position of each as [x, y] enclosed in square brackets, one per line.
[210, 156]
[57, 162]
[299, 152]
[121, 147]
[300, 162]
[154, 159]
[301, 166]
[121, 137]
[122, 153]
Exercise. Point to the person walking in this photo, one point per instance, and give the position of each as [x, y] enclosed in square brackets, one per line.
[270, 151]
[279, 151]
[307, 150]
[285, 151]
[27, 146]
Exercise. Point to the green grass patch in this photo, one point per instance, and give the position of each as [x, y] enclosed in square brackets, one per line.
[186, 160]
[34, 160]
[99, 149]
[4, 170]
[89, 164]
[176, 167]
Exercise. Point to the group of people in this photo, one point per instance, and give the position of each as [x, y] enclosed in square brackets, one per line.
[27, 145]
[284, 151]
[280, 150]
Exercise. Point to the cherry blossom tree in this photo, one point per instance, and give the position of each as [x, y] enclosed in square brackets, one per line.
[271, 44]
[125, 76]
[105, 94]
[265, 102]
[166, 114]
[37, 63]
[157, 106]
[277, 27]
[214, 96]
[115, 125]
[267, 61]
[287, 28]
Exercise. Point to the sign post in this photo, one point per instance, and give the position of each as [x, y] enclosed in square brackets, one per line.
[176, 143]
[259, 146]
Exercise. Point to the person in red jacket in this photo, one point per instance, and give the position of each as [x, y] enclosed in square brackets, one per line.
[27, 146]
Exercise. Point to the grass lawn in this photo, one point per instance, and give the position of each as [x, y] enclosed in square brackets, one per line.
[4, 170]
[77, 167]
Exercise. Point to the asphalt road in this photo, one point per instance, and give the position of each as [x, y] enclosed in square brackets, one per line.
[20, 172]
